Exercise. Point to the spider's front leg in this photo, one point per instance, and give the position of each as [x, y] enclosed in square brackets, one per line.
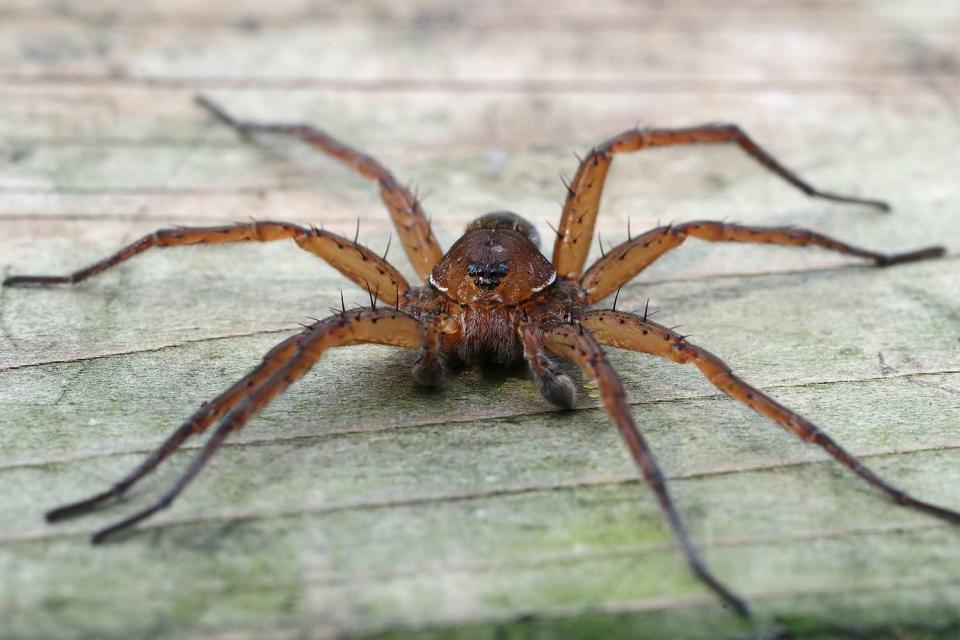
[577, 344]
[280, 368]
[628, 331]
[629, 258]
[412, 224]
[355, 261]
[556, 388]
[575, 232]
[430, 368]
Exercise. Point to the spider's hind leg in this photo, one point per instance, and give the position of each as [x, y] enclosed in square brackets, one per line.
[628, 331]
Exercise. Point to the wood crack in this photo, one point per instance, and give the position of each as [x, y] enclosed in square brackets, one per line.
[434, 422]
[467, 496]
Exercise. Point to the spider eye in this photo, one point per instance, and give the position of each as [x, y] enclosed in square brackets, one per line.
[497, 270]
[488, 275]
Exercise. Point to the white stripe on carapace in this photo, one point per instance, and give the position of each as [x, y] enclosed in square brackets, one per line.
[434, 283]
[546, 284]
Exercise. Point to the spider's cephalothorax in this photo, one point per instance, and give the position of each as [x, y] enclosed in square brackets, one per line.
[493, 265]
[494, 297]
[492, 276]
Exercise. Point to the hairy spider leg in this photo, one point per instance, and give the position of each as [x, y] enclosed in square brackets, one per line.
[211, 411]
[627, 331]
[578, 345]
[412, 224]
[555, 387]
[575, 232]
[355, 261]
[280, 368]
[430, 367]
[206, 415]
[629, 258]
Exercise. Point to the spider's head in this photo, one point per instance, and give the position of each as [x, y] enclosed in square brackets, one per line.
[495, 262]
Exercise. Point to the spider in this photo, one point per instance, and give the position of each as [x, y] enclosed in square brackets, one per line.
[493, 297]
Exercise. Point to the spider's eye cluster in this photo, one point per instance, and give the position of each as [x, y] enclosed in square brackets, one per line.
[487, 275]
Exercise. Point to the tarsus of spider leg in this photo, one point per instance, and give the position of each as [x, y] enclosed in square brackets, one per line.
[885, 260]
[155, 458]
[820, 438]
[201, 418]
[220, 114]
[209, 447]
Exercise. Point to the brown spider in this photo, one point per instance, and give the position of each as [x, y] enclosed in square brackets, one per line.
[493, 297]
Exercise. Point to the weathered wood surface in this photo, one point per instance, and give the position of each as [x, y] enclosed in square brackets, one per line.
[358, 505]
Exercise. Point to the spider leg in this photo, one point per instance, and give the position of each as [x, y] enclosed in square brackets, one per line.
[430, 368]
[405, 210]
[211, 411]
[197, 423]
[577, 344]
[355, 261]
[629, 258]
[628, 331]
[556, 388]
[380, 326]
[583, 195]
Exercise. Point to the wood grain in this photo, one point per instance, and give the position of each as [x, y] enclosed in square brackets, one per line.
[358, 505]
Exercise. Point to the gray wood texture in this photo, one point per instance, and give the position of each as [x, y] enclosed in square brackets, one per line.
[358, 505]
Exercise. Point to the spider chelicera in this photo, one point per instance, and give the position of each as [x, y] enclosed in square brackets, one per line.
[495, 298]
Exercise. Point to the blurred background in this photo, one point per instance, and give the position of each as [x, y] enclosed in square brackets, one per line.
[357, 506]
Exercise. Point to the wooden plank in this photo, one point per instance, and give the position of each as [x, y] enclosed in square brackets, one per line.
[380, 49]
[477, 511]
